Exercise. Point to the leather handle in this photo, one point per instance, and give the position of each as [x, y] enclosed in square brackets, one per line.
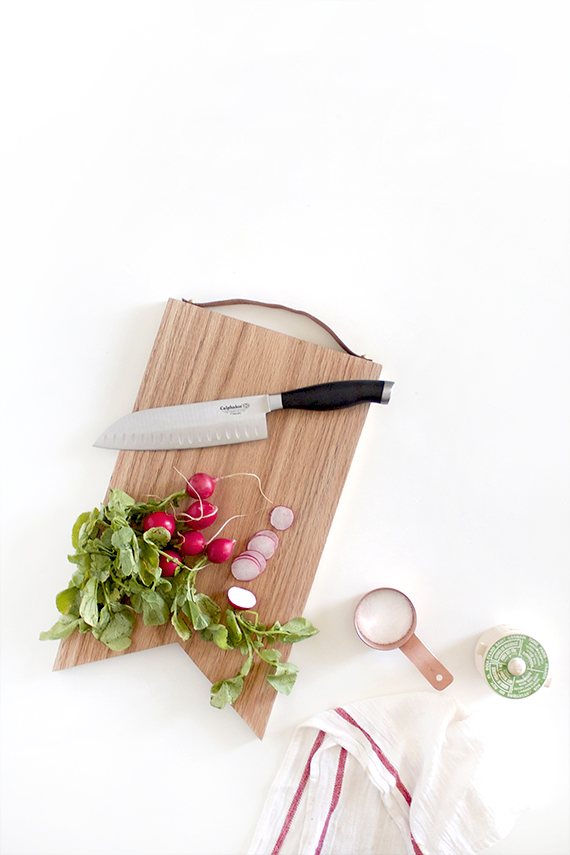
[238, 301]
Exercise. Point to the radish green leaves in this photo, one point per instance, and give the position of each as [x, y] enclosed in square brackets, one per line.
[254, 639]
[118, 577]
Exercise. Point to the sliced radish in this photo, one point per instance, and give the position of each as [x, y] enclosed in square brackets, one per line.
[254, 556]
[264, 544]
[240, 598]
[245, 568]
[257, 556]
[281, 517]
[266, 532]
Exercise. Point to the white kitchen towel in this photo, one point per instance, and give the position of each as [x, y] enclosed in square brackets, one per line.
[396, 775]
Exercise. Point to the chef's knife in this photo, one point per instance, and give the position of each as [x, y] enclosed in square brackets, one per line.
[234, 419]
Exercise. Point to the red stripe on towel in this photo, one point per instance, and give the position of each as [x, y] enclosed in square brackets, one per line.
[285, 828]
[385, 762]
[335, 798]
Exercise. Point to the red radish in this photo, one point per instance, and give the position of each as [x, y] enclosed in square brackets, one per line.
[257, 556]
[240, 598]
[266, 532]
[220, 549]
[245, 568]
[200, 515]
[169, 565]
[192, 543]
[281, 517]
[159, 519]
[200, 486]
[262, 543]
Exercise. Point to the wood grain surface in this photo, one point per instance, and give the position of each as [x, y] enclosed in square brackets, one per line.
[200, 355]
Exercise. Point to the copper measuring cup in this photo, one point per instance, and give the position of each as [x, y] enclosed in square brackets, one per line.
[385, 619]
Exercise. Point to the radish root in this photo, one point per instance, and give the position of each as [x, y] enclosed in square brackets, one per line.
[236, 517]
[251, 475]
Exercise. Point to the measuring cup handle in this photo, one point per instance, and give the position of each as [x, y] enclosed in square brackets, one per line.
[426, 662]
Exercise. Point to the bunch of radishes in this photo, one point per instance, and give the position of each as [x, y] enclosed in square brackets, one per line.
[201, 514]
[198, 516]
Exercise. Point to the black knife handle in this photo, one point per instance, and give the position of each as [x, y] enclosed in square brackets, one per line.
[335, 396]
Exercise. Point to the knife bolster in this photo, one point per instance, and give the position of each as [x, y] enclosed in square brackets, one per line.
[275, 402]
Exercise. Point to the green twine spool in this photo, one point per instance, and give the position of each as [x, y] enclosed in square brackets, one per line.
[514, 665]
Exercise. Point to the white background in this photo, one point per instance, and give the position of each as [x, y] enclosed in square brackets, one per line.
[400, 170]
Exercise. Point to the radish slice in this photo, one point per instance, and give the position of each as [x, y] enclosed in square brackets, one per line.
[264, 544]
[281, 517]
[240, 598]
[245, 568]
[266, 532]
[257, 556]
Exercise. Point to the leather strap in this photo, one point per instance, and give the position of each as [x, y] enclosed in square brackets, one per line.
[238, 301]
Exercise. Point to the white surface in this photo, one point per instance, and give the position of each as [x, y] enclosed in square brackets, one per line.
[398, 169]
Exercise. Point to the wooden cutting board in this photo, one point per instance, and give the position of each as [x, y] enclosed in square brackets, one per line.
[199, 355]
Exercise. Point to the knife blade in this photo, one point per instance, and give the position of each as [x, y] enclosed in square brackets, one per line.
[231, 420]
